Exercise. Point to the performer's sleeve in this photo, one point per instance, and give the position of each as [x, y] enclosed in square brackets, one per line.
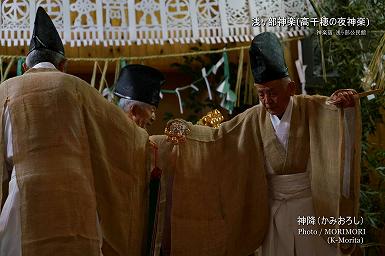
[349, 133]
[219, 191]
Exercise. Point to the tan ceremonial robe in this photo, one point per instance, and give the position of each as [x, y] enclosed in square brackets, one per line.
[219, 195]
[75, 155]
[290, 195]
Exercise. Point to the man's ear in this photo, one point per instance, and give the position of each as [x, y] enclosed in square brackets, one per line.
[292, 88]
[25, 67]
[134, 110]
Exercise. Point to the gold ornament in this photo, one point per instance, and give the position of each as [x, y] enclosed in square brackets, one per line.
[212, 119]
[176, 131]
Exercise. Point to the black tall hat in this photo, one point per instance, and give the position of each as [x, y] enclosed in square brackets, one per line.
[141, 83]
[267, 59]
[45, 35]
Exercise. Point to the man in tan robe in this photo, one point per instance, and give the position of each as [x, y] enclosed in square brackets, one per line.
[232, 189]
[71, 157]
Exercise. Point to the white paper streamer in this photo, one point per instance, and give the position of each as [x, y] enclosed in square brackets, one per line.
[221, 86]
[301, 68]
[204, 75]
[107, 93]
[217, 66]
[371, 97]
[180, 101]
[177, 91]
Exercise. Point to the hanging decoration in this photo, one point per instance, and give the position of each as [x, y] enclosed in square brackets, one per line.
[239, 78]
[103, 72]
[95, 69]
[125, 22]
[103, 78]
[205, 75]
[301, 68]
[374, 80]
[5, 74]
[230, 98]
[177, 93]
[108, 92]
[19, 69]
[118, 67]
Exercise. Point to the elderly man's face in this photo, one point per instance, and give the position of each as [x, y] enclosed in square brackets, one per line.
[275, 95]
[144, 116]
